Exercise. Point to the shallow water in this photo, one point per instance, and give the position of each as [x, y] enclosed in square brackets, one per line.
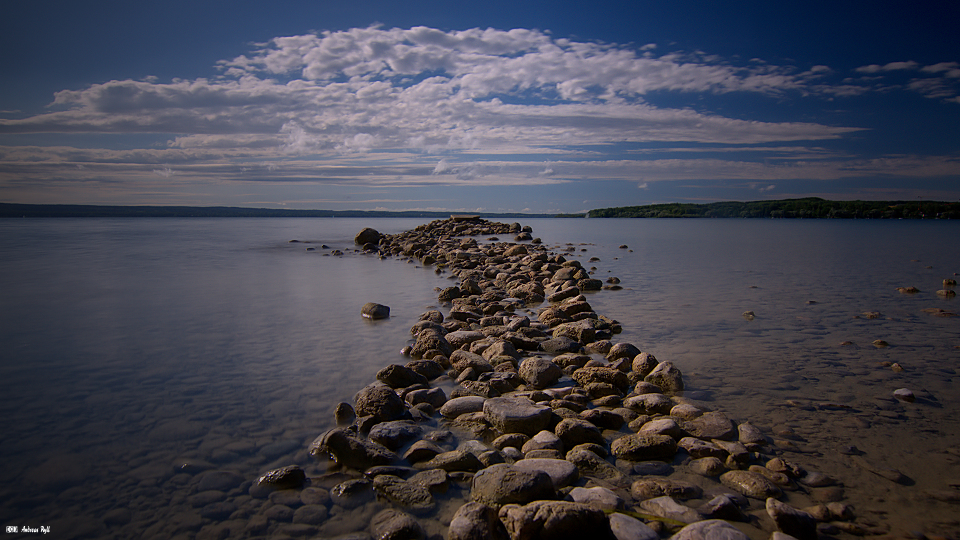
[133, 345]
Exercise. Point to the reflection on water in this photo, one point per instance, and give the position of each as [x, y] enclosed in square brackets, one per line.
[139, 354]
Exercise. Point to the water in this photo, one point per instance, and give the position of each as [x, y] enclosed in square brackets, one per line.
[131, 345]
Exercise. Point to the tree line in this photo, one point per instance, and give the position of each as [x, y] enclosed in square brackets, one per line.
[810, 207]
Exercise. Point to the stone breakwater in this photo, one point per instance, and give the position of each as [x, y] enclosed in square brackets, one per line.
[521, 424]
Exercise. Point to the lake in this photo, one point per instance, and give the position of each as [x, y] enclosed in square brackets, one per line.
[132, 346]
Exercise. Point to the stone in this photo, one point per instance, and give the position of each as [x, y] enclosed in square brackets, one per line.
[643, 447]
[516, 440]
[668, 508]
[904, 394]
[652, 487]
[476, 521]
[311, 514]
[411, 496]
[397, 376]
[544, 440]
[422, 450]
[711, 529]
[290, 477]
[380, 402]
[708, 466]
[392, 524]
[603, 419]
[560, 345]
[352, 493]
[435, 480]
[454, 460]
[561, 472]
[394, 434]
[625, 527]
[461, 360]
[432, 396]
[373, 310]
[792, 521]
[591, 464]
[430, 369]
[367, 236]
[749, 434]
[598, 496]
[574, 431]
[516, 415]
[662, 426]
[555, 520]
[219, 481]
[502, 484]
[723, 507]
[643, 363]
[649, 403]
[685, 411]
[539, 372]
[711, 425]
[350, 450]
[463, 338]
[667, 376]
[462, 405]
[751, 484]
[344, 414]
[587, 375]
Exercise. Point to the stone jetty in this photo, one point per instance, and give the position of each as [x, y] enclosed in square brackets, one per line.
[520, 416]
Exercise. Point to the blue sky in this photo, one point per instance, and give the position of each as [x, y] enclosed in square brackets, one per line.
[495, 106]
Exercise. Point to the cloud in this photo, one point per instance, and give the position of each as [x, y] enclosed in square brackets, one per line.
[892, 66]
[644, 185]
[165, 172]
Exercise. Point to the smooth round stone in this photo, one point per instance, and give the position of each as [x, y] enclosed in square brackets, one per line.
[628, 528]
[598, 496]
[712, 529]
[504, 484]
[516, 415]
[219, 481]
[562, 473]
[644, 447]
[314, 495]
[750, 484]
[372, 310]
[653, 468]
[462, 405]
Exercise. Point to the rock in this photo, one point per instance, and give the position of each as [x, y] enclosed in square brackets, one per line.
[587, 375]
[668, 508]
[649, 403]
[432, 396]
[397, 376]
[219, 481]
[622, 350]
[652, 468]
[603, 419]
[667, 376]
[422, 451]
[789, 520]
[662, 426]
[946, 293]
[344, 414]
[560, 345]
[751, 484]
[574, 431]
[367, 236]
[723, 507]
[539, 372]
[352, 493]
[411, 496]
[290, 477]
[311, 514]
[462, 338]
[590, 464]
[543, 440]
[904, 394]
[516, 415]
[555, 520]
[380, 402]
[430, 369]
[598, 496]
[502, 484]
[713, 529]
[454, 460]
[350, 450]
[748, 434]
[394, 434]
[462, 405]
[708, 466]
[625, 527]
[711, 425]
[561, 472]
[392, 524]
[652, 487]
[476, 521]
[643, 364]
[643, 447]
[372, 310]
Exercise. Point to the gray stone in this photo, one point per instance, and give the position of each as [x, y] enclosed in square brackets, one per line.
[656, 486]
[544, 440]
[701, 449]
[662, 426]
[625, 527]
[643, 364]
[432, 396]
[461, 338]
[462, 405]
[574, 431]
[394, 434]
[476, 521]
[713, 529]
[622, 350]
[711, 425]
[290, 477]
[454, 460]
[350, 450]
[750, 484]
[380, 402]
[666, 507]
[649, 403]
[392, 524]
[749, 434]
[411, 496]
[792, 521]
[560, 345]
[590, 464]
[615, 377]
[516, 415]
[367, 236]
[723, 507]
[352, 493]
[373, 310]
[502, 484]
[555, 520]
[539, 372]
[667, 376]
[561, 472]
[597, 496]
[643, 447]
[397, 376]
[422, 451]
[311, 514]
[708, 466]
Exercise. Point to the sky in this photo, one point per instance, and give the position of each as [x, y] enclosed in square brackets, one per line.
[494, 106]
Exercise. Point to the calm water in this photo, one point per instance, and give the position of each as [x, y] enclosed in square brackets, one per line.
[129, 345]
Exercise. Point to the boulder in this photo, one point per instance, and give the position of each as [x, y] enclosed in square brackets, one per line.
[290, 477]
[667, 376]
[350, 450]
[539, 372]
[502, 484]
[380, 402]
[711, 425]
[516, 415]
[409, 495]
[644, 363]
[574, 431]
[367, 236]
[561, 472]
[555, 520]
[392, 524]
[615, 377]
[462, 405]
[372, 310]
[598, 496]
[643, 447]
[792, 521]
[622, 350]
[560, 345]
[397, 376]
[394, 434]
[476, 521]
[591, 464]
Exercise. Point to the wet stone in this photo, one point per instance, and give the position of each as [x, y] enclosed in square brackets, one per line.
[751, 484]
[504, 484]
[516, 415]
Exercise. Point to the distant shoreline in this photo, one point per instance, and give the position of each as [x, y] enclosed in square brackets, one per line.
[808, 208]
